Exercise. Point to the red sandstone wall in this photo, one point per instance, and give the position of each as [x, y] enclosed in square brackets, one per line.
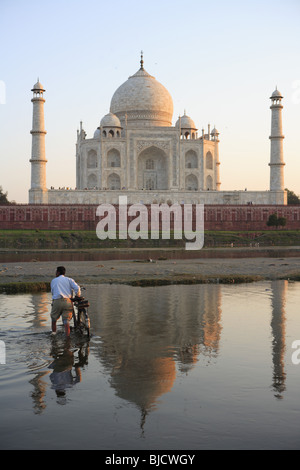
[83, 217]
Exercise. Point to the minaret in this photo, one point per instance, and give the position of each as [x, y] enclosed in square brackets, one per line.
[38, 190]
[215, 137]
[276, 137]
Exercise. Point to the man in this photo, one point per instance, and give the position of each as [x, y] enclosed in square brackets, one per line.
[62, 288]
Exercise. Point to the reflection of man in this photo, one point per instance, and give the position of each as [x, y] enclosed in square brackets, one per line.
[62, 376]
[62, 288]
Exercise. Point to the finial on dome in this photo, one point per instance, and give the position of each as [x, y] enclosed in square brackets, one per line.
[142, 60]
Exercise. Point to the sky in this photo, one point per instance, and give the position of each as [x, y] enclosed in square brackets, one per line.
[219, 60]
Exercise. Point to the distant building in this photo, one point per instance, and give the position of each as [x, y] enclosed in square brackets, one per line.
[138, 153]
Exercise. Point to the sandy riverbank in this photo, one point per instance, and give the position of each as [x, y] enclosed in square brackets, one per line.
[144, 272]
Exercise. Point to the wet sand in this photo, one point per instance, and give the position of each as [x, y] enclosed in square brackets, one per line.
[148, 272]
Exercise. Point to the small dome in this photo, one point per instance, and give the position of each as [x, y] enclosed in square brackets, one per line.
[38, 87]
[185, 122]
[276, 94]
[97, 133]
[215, 131]
[110, 120]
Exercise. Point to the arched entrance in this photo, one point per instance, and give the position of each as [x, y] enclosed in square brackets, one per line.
[191, 183]
[209, 183]
[92, 181]
[153, 169]
[114, 182]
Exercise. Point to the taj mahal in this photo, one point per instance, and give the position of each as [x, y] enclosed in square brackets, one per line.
[137, 152]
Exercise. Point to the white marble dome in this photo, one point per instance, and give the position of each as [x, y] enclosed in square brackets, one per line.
[110, 120]
[185, 122]
[142, 101]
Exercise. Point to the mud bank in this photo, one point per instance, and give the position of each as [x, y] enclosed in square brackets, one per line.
[36, 275]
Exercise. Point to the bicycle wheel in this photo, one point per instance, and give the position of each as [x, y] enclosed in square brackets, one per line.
[83, 322]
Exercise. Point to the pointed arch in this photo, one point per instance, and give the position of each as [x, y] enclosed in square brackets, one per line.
[191, 159]
[153, 169]
[113, 158]
[209, 183]
[92, 181]
[209, 161]
[191, 183]
[92, 159]
[114, 182]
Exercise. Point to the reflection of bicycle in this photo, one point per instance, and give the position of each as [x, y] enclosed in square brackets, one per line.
[80, 315]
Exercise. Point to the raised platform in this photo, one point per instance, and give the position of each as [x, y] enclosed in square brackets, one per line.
[93, 196]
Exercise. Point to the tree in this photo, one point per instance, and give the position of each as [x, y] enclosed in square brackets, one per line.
[281, 221]
[274, 221]
[292, 198]
[3, 198]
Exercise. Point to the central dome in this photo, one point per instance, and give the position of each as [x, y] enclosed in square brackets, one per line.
[142, 101]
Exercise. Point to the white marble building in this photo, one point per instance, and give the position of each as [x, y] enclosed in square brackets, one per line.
[137, 152]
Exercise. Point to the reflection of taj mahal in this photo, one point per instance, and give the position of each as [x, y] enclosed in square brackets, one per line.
[147, 339]
[137, 152]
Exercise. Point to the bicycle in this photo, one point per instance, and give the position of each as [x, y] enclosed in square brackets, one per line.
[80, 315]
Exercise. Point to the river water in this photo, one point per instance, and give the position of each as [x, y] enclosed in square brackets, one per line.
[169, 367]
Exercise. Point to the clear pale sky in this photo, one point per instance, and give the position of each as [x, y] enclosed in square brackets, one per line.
[220, 61]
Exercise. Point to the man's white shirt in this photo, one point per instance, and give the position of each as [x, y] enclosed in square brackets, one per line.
[63, 287]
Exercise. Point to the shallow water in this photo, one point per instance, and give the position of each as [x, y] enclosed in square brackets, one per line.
[55, 255]
[170, 367]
